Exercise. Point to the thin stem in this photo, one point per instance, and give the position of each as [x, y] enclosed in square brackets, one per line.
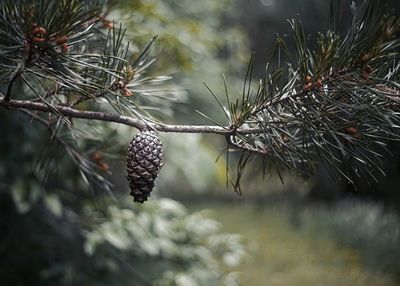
[13, 79]
[264, 152]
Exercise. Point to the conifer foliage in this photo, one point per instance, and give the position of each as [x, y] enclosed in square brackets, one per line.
[335, 101]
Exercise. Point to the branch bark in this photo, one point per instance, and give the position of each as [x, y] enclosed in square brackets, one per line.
[117, 118]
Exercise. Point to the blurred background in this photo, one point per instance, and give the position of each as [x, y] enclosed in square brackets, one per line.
[194, 230]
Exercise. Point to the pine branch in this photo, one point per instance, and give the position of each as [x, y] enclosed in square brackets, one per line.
[113, 117]
[335, 103]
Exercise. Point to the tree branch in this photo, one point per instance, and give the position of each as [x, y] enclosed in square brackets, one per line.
[116, 118]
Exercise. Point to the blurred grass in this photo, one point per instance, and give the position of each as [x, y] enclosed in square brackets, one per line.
[282, 253]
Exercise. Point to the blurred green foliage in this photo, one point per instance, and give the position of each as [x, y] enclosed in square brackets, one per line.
[196, 43]
[191, 34]
[352, 243]
[166, 244]
[367, 227]
[44, 242]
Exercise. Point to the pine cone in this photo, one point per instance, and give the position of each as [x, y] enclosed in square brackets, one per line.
[143, 164]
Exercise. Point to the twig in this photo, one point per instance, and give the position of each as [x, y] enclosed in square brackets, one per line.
[263, 152]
